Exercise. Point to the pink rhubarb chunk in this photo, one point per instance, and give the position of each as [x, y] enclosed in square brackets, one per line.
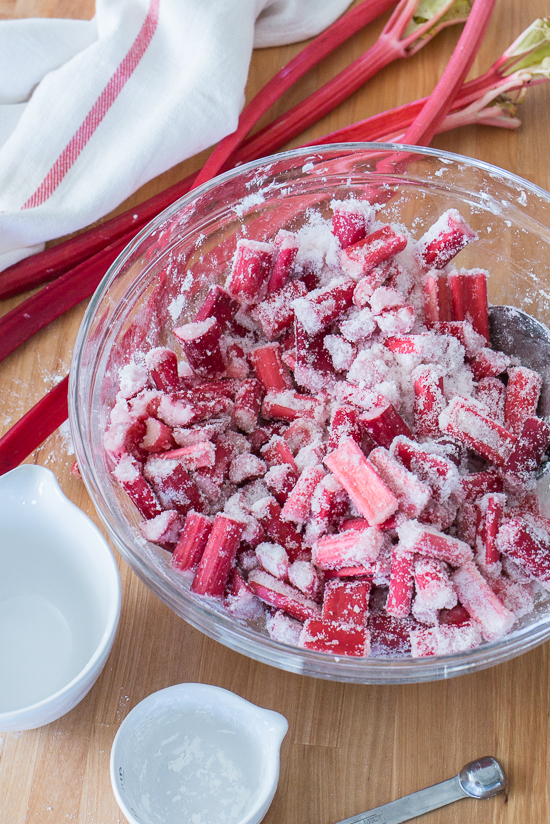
[481, 602]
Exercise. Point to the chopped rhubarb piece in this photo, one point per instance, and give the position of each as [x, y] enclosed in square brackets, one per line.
[297, 507]
[268, 513]
[289, 405]
[491, 392]
[125, 434]
[247, 406]
[437, 300]
[302, 432]
[429, 401]
[210, 479]
[390, 637]
[469, 299]
[446, 639]
[439, 473]
[172, 484]
[359, 326]
[517, 597]
[444, 239]
[198, 434]
[275, 313]
[527, 543]
[347, 601]
[239, 598]
[282, 595]
[528, 452]
[201, 344]
[250, 270]
[281, 480]
[362, 482]
[467, 420]
[342, 352]
[281, 627]
[481, 602]
[465, 334]
[424, 540]
[344, 424]
[194, 456]
[440, 514]
[218, 557]
[236, 362]
[322, 306]
[272, 373]
[362, 257]
[128, 473]
[192, 541]
[273, 559]
[157, 438]
[349, 548]
[218, 304]
[401, 583]
[350, 222]
[384, 423]
[328, 504]
[287, 249]
[477, 484]
[396, 321]
[330, 636]
[432, 584]
[313, 368]
[488, 363]
[162, 364]
[413, 495]
[522, 397]
[246, 467]
[163, 529]
[305, 577]
[277, 452]
[456, 616]
[385, 298]
[490, 515]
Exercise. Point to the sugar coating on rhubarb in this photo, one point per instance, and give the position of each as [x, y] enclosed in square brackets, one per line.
[331, 448]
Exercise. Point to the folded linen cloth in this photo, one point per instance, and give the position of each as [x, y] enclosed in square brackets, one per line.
[92, 110]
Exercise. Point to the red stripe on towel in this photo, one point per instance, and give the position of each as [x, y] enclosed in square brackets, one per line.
[98, 111]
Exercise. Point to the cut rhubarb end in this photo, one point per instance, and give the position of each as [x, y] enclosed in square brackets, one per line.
[467, 420]
[128, 473]
[413, 495]
[353, 548]
[429, 401]
[163, 529]
[448, 235]
[529, 449]
[277, 452]
[192, 541]
[362, 482]
[438, 472]
[401, 583]
[481, 602]
[283, 596]
[527, 543]
[298, 504]
[522, 397]
[201, 343]
[270, 369]
[289, 406]
[287, 246]
[321, 307]
[162, 364]
[383, 423]
[218, 557]
[350, 222]
[218, 304]
[331, 636]
[251, 269]
[172, 484]
[247, 405]
[362, 257]
[344, 424]
[347, 601]
[275, 314]
[268, 512]
[424, 540]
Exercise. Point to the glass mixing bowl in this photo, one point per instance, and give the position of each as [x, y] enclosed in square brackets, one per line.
[161, 277]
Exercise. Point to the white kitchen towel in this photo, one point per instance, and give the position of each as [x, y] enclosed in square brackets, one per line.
[92, 110]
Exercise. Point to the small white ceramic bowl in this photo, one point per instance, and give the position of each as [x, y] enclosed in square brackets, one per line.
[60, 598]
[196, 753]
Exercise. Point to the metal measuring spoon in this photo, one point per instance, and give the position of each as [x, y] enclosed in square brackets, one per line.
[483, 778]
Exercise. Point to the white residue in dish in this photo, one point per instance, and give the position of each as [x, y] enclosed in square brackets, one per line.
[202, 770]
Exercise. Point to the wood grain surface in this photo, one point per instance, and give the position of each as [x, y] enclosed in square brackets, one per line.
[349, 747]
